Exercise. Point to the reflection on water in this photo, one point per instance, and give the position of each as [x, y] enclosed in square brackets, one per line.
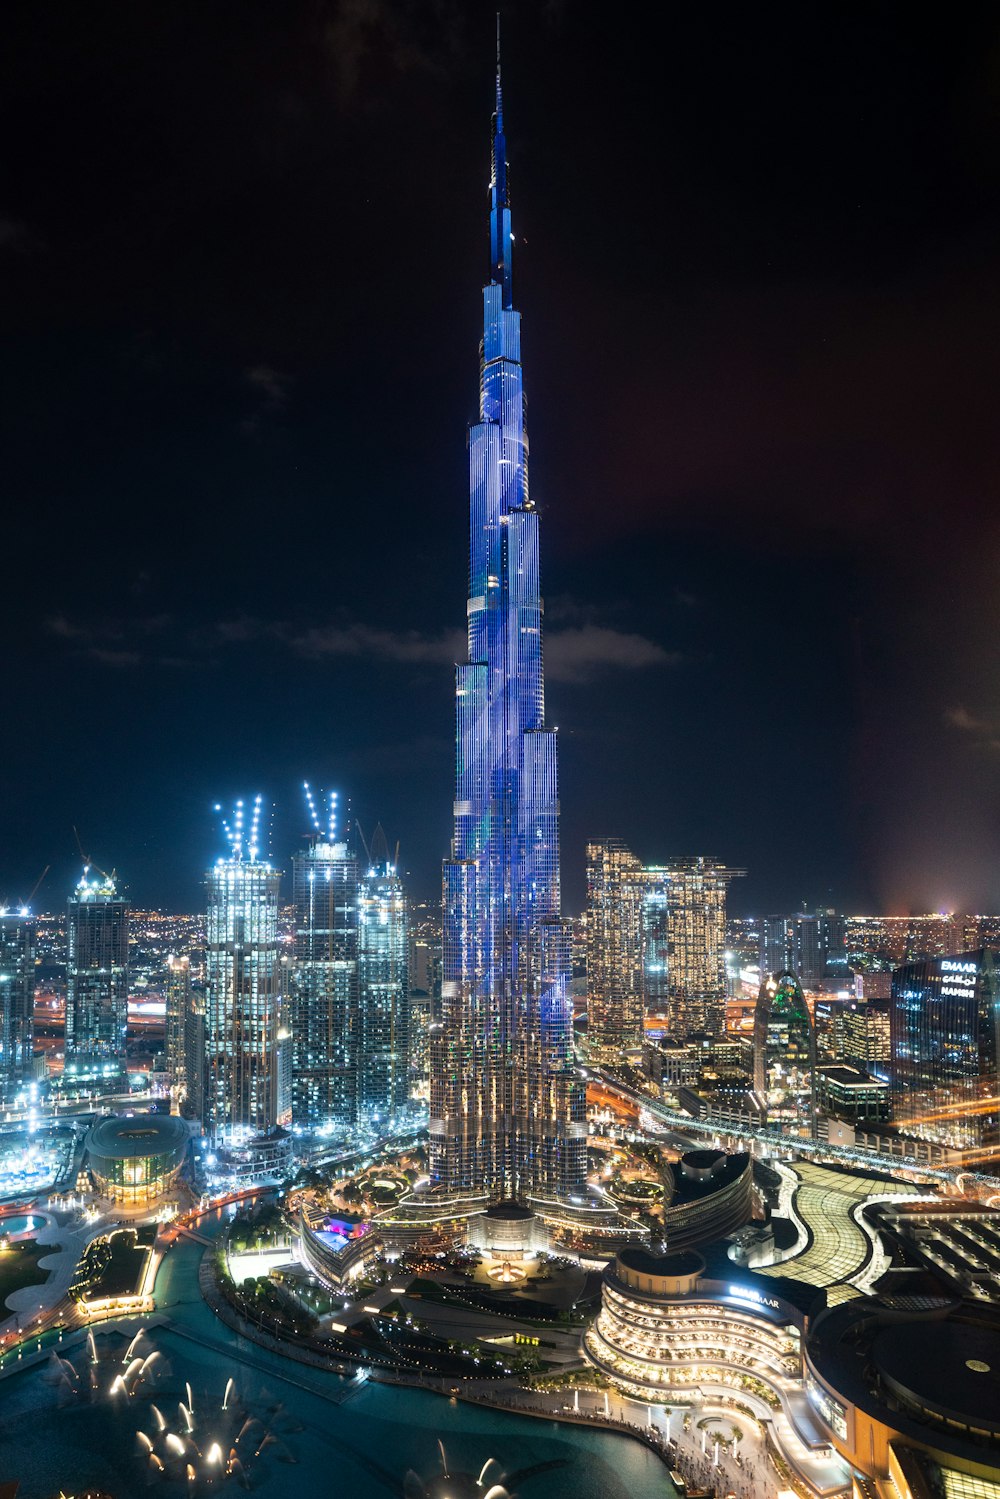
[217, 1412]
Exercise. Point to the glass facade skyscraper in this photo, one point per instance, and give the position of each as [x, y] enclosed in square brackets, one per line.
[945, 1039]
[784, 1050]
[814, 948]
[243, 1063]
[507, 1110]
[97, 974]
[17, 998]
[696, 924]
[615, 946]
[384, 996]
[324, 990]
[178, 1003]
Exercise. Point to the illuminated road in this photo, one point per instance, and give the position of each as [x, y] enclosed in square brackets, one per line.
[777, 1142]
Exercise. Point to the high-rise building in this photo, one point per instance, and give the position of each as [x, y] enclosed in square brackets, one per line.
[507, 1112]
[384, 991]
[17, 998]
[864, 1035]
[615, 1008]
[814, 948]
[243, 1071]
[945, 1017]
[655, 946]
[784, 1050]
[178, 1002]
[185, 1038]
[193, 1106]
[324, 1015]
[97, 977]
[425, 992]
[696, 935]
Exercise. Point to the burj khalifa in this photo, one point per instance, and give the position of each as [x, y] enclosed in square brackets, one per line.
[507, 1106]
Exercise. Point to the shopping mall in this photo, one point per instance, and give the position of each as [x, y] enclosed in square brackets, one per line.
[664, 1330]
[908, 1387]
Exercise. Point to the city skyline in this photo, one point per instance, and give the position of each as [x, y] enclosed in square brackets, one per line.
[340, 1177]
[757, 443]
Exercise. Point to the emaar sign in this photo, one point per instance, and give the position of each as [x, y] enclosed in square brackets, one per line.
[744, 1293]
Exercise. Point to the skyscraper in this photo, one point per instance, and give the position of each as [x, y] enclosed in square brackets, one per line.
[507, 1111]
[97, 974]
[243, 1073]
[324, 987]
[696, 917]
[615, 931]
[814, 948]
[784, 1050]
[655, 945]
[17, 998]
[178, 1002]
[384, 990]
[945, 1068]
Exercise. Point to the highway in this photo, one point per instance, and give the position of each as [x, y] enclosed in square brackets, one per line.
[774, 1140]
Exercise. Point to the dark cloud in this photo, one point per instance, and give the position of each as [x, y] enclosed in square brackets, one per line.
[271, 383]
[576, 654]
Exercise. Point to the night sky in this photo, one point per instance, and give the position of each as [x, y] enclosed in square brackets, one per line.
[758, 259]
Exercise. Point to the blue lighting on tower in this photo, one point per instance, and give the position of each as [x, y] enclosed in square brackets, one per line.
[506, 1109]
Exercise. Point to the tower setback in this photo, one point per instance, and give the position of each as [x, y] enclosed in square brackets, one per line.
[507, 1109]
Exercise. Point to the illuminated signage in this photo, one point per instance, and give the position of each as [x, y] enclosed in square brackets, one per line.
[959, 978]
[743, 1293]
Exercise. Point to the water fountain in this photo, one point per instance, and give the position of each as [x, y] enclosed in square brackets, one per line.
[506, 1274]
[449, 1485]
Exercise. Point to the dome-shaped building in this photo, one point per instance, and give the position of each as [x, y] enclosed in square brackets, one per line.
[136, 1159]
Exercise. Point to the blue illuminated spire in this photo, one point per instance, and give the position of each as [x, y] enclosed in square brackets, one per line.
[501, 239]
[507, 1112]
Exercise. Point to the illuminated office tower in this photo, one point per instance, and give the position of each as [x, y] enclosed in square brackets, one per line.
[506, 1108]
[243, 990]
[324, 986]
[193, 1106]
[384, 991]
[814, 948]
[17, 998]
[696, 939]
[614, 949]
[864, 1035]
[784, 1050]
[178, 1002]
[97, 975]
[656, 940]
[944, 1019]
